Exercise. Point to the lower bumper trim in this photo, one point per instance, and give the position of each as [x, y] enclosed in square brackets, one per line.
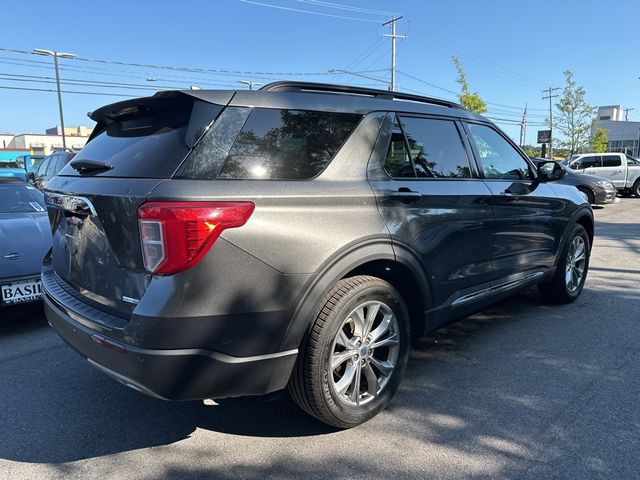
[181, 374]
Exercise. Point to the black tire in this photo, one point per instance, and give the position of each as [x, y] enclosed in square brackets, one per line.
[559, 288]
[636, 188]
[313, 384]
[590, 197]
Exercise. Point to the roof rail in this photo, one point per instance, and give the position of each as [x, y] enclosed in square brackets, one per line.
[290, 86]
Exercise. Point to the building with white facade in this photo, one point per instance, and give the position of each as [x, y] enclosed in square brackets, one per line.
[623, 136]
[45, 143]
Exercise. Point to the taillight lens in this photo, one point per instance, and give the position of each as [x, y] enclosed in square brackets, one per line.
[176, 235]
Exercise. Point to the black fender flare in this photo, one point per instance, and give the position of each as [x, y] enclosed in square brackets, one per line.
[341, 263]
[573, 220]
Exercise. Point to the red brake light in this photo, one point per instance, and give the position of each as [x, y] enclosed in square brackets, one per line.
[176, 235]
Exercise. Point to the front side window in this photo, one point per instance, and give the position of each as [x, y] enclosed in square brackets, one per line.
[287, 144]
[498, 158]
[436, 148]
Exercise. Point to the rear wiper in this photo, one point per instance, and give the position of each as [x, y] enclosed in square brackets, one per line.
[89, 166]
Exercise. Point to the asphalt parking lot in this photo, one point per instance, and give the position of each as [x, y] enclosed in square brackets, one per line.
[521, 390]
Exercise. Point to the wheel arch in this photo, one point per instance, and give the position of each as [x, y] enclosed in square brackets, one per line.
[376, 257]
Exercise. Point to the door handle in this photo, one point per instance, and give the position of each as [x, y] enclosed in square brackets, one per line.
[509, 195]
[405, 195]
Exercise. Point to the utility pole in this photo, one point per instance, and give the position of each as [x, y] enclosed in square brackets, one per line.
[523, 127]
[55, 56]
[549, 91]
[393, 36]
[626, 113]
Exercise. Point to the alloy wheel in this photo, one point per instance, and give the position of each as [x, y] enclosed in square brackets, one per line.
[364, 353]
[575, 264]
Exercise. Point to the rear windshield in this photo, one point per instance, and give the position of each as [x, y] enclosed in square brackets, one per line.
[149, 141]
[20, 198]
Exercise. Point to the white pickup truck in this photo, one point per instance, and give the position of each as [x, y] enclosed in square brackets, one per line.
[619, 168]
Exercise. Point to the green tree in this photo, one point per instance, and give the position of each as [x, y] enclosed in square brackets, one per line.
[470, 101]
[600, 140]
[575, 116]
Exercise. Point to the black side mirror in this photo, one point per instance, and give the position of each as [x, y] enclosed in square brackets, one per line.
[31, 176]
[550, 171]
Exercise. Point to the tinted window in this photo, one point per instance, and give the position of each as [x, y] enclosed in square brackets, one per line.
[287, 144]
[43, 167]
[56, 165]
[207, 157]
[52, 165]
[611, 161]
[149, 141]
[436, 148]
[20, 198]
[498, 158]
[588, 161]
[398, 163]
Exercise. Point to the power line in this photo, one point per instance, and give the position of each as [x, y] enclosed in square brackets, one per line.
[348, 8]
[477, 58]
[297, 10]
[65, 91]
[181, 69]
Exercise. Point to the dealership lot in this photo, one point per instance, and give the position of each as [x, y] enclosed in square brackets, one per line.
[521, 390]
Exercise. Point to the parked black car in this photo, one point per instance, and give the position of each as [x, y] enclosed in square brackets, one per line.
[25, 236]
[223, 243]
[596, 190]
[49, 167]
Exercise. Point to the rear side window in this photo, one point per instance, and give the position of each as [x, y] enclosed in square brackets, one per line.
[632, 161]
[590, 161]
[398, 163]
[611, 161]
[148, 140]
[287, 144]
[436, 148]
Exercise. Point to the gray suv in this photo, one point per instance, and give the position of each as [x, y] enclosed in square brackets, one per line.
[211, 244]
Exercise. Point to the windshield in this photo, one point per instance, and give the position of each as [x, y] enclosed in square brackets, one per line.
[20, 197]
[9, 164]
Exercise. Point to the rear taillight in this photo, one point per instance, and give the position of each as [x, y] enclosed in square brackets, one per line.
[176, 235]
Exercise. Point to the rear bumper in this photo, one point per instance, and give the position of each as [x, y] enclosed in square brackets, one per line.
[172, 374]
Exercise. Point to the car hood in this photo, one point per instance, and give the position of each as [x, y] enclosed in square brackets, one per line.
[24, 240]
[13, 172]
[582, 179]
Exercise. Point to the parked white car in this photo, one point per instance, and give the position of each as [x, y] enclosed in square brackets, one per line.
[619, 168]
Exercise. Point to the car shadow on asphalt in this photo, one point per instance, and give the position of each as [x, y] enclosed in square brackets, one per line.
[59, 409]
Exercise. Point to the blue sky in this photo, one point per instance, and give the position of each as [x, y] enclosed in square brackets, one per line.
[510, 50]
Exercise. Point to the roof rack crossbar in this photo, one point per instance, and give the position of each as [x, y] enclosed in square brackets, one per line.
[291, 86]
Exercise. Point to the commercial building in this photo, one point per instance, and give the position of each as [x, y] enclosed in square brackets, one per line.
[46, 143]
[623, 136]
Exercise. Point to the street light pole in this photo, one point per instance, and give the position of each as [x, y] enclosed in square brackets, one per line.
[55, 56]
[250, 83]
